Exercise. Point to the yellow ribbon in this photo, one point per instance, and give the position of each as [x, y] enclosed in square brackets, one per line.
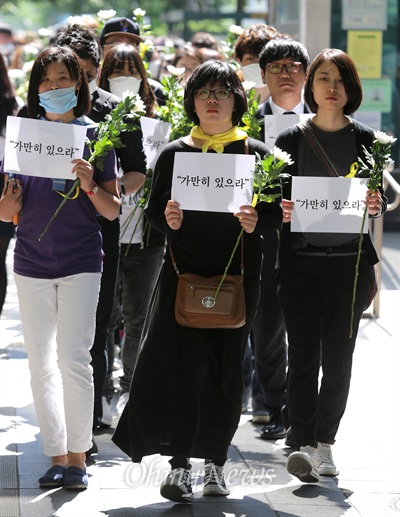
[73, 197]
[217, 142]
[353, 170]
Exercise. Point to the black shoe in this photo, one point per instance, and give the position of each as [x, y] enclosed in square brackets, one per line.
[273, 431]
[94, 449]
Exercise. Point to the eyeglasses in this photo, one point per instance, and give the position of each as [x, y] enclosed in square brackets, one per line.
[291, 68]
[220, 93]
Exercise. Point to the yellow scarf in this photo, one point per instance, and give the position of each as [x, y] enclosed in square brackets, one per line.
[217, 142]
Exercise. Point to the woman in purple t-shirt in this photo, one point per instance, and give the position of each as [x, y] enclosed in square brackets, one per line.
[58, 277]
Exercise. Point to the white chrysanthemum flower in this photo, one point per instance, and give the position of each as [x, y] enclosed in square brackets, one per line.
[248, 85]
[139, 12]
[16, 73]
[78, 20]
[139, 104]
[176, 72]
[383, 138]
[31, 50]
[27, 67]
[106, 14]
[281, 155]
[236, 29]
[44, 32]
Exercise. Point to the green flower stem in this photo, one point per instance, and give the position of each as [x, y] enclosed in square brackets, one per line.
[228, 265]
[125, 225]
[353, 301]
[76, 184]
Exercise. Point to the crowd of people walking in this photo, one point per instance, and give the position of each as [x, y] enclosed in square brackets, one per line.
[87, 280]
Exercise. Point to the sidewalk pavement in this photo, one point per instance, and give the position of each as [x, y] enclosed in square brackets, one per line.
[367, 450]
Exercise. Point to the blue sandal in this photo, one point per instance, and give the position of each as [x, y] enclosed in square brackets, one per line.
[75, 479]
[54, 477]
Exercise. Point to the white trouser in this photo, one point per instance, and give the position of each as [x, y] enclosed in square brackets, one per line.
[58, 322]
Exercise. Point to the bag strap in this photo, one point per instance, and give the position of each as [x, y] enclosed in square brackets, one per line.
[175, 265]
[318, 148]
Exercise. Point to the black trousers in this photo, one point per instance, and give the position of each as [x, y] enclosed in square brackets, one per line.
[269, 338]
[111, 249]
[316, 295]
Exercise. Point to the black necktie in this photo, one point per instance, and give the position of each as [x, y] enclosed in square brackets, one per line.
[288, 113]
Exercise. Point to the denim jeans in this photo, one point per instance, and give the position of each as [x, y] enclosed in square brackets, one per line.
[139, 269]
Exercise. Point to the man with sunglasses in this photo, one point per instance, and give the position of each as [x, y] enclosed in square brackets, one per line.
[284, 64]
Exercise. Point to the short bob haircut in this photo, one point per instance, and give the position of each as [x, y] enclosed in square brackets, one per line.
[215, 72]
[283, 48]
[348, 71]
[115, 59]
[74, 66]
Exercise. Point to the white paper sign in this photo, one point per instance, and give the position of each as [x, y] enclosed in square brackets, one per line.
[41, 148]
[155, 137]
[274, 124]
[213, 182]
[328, 205]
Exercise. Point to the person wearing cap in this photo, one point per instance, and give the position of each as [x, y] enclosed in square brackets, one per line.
[125, 30]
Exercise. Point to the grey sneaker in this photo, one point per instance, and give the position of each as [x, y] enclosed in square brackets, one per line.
[214, 482]
[324, 460]
[303, 465]
[177, 486]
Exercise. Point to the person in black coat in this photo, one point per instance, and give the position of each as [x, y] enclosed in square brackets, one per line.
[196, 374]
[284, 64]
[316, 270]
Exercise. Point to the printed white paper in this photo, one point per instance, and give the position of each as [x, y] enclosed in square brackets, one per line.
[328, 205]
[213, 182]
[41, 148]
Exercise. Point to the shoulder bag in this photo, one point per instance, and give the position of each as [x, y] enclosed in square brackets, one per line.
[196, 303]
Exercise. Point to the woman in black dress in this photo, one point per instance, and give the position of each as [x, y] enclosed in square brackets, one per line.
[185, 397]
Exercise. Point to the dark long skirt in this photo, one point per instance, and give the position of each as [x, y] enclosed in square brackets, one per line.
[186, 390]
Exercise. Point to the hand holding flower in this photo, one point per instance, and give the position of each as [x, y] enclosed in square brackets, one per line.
[373, 202]
[287, 209]
[11, 200]
[84, 171]
[173, 215]
[248, 217]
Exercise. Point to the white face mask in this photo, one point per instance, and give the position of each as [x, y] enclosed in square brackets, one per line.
[93, 86]
[253, 73]
[124, 86]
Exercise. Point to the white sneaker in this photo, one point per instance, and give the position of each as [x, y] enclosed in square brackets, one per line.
[324, 460]
[122, 401]
[106, 419]
[177, 486]
[214, 482]
[303, 465]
